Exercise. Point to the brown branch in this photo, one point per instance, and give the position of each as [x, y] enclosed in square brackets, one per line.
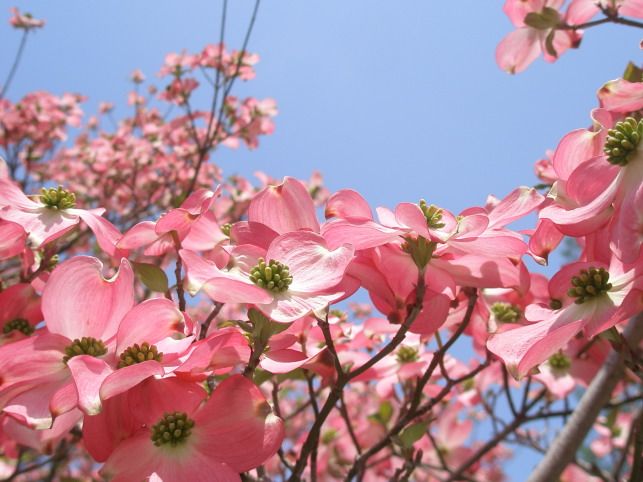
[597, 395]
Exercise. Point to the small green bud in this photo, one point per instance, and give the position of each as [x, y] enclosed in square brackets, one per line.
[560, 361]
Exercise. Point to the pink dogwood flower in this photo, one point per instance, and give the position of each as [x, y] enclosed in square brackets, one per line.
[150, 339]
[589, 297]
[233, 432]
[24, 20]
[297, 274]
[194, 224]
[538, 25]
[52, 215]
[20, 312]
[601, 182]
[79, 321]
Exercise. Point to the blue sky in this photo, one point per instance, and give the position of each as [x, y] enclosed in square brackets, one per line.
[397, 100]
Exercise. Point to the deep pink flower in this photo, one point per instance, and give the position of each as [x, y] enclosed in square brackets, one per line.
[233, 432]
[19, 312]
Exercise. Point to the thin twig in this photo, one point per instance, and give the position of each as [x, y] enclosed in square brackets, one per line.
[16, 62]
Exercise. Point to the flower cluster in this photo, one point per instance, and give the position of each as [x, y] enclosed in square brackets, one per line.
[160, 324]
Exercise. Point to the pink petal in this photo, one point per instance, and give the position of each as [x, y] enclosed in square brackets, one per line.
[312, 266]
[125, 378]
[581, 145]
[580, 11]
[178, 220]
[523, 348]
[20, 301]
[42, 224]
[544, 240]
[248, 431]
[107, 236]
[151, 321]
[347, 203]
[520, 202]
[136, 458]
[12, 239]
[93, 311]
[31, 407]
[361, 233]
[219, 285]
[518, 49]
[626, 229]
[139, 235]
[204, 234]
[621, 96]
[284, 208]
[89, 373]
[255, 234]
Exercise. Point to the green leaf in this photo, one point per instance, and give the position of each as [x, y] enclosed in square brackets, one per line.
[261, 376]
[633, 73]
[153, 277]
[544, 20]
[613, 336]
[549, 44]
[264, 327]
[383, 415]
[386, 411]
[413, 433]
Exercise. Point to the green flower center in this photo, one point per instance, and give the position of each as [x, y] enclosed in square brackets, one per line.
[272, 276]
[468, 384]
[407, 354]
[57, 198]
[555, 304]
[328, 436]
[620, 145]
[173, 428]
[85, 346]
[558, 360]
[432, 214]
[589, 284]
[20, 324]
[226, 228]
[138, 354]
[505, 312]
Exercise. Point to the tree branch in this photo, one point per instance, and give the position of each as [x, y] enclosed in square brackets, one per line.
[564, 447]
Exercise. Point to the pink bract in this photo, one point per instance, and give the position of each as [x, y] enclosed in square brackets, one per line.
[234, 431]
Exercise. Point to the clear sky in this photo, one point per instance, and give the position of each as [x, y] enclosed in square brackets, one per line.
[397, 100]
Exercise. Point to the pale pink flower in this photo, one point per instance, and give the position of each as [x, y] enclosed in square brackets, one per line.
[618, 297]
[537, 23]
[52, 215]
[24, 20]
[77, 320]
